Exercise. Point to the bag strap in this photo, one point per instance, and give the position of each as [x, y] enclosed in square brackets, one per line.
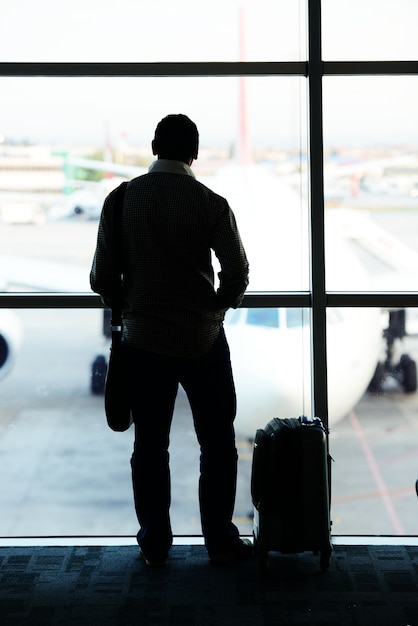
[117, 224]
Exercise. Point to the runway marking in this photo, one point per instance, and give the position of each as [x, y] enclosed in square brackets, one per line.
[378, 478]
[243, 444]
[242, 520]
[398, 492]
[245, 456]
[245, 450]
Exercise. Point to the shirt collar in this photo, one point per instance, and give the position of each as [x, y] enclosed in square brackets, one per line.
[171, 167]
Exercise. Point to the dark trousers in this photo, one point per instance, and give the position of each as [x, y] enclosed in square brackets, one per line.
[209, 385]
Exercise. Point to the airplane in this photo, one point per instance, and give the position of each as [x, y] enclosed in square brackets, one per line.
[86, 201]
[270, 347]
[11, 335]
[40, 275]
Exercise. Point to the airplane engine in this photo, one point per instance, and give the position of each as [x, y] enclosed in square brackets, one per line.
[10, 340]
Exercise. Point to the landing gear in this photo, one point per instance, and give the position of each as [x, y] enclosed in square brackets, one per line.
[99, 365]
[98, 374]
[405, 372]
[408, 372]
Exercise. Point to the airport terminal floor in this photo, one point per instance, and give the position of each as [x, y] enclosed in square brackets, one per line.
[367, 584]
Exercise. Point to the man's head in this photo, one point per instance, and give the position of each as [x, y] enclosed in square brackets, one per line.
[176, 138]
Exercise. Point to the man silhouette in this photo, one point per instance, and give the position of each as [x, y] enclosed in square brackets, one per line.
[173, 333]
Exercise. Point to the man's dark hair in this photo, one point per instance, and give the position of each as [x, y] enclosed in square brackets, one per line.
[177, 138]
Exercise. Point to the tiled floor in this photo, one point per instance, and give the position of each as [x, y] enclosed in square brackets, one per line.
[109, 585]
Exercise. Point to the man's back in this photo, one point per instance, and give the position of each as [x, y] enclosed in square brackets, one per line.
[169, 221]
[170, 224]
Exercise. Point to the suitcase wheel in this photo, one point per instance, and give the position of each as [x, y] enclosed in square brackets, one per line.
[263, 561]
[262, 555]
[325, 558]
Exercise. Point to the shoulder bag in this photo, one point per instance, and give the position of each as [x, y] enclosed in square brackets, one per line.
[116, 397]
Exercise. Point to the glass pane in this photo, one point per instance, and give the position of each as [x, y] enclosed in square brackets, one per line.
[58, 132]
[156, 31]
[374, 444]
[369, 30]
[371, 183]
[65, 473]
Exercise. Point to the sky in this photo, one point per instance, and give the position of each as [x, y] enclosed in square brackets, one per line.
[78, 110]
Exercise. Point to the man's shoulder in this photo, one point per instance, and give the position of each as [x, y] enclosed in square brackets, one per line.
[160, 179]
[138, 180]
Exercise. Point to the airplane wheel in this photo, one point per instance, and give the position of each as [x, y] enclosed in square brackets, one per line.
[379, 376]
[409, 370]
[98, 374]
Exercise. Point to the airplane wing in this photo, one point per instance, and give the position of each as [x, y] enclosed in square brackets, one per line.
[392, 264]
[363, 166]
[88, 196]
[43, 275]
[128, 171]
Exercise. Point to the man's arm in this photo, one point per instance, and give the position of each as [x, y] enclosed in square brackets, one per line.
[228, 247]
[102, 274]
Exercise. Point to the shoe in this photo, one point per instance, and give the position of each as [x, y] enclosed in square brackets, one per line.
[151, 562]
[240, 549]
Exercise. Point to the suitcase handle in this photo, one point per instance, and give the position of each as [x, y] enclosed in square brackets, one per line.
[312, 421]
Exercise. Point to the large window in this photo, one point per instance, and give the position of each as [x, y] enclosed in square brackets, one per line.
[313, 141]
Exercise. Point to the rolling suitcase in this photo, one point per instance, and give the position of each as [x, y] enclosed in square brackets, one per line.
[290, 489]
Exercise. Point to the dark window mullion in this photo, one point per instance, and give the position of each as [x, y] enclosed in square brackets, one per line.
[206, 69]
[316, 188]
